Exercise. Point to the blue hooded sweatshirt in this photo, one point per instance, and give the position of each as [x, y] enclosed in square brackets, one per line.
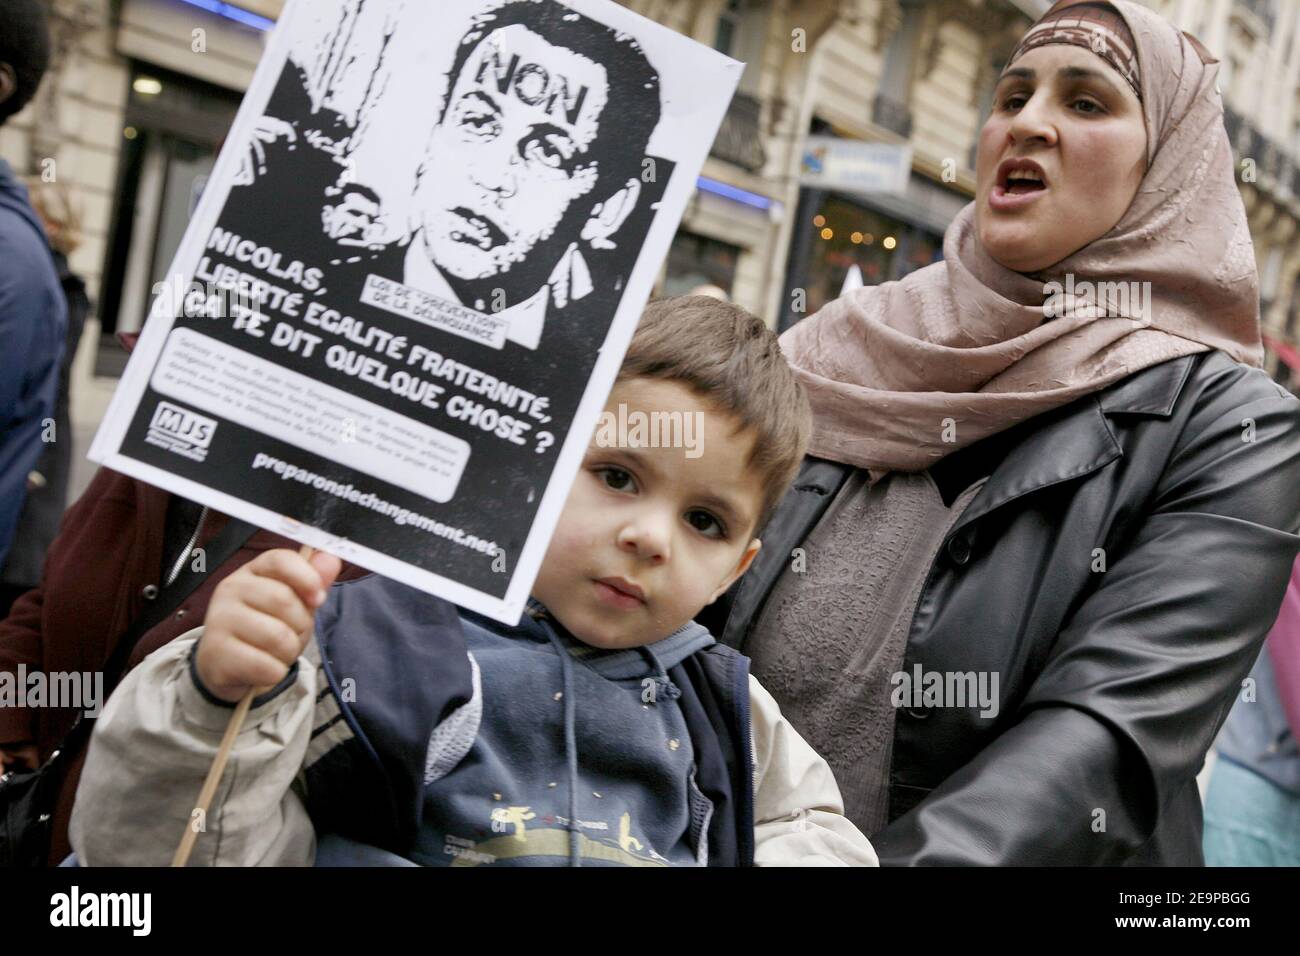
[547, 700]
[33, 317]
[476, 743]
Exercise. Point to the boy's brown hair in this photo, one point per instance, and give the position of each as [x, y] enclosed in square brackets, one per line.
[729, 357]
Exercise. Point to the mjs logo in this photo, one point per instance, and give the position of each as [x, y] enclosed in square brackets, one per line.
[181, 431]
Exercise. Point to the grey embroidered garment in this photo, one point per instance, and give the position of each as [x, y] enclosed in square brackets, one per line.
[829, 638]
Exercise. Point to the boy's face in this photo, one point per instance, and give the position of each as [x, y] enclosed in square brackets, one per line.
[675, 528]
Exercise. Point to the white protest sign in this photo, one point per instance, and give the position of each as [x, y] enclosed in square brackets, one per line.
[406, 291]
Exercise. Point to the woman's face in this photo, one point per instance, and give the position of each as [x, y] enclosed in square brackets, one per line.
[1063, 116]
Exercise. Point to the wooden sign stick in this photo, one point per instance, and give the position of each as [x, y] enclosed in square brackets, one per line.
[219, 761]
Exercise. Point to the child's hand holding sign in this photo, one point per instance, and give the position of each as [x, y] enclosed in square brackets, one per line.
[259, 620]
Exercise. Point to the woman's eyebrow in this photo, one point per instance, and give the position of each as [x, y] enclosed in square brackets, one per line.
[1020, 72]
[1083, 73]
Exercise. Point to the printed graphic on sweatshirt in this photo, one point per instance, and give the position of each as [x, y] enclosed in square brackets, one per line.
[520, 833]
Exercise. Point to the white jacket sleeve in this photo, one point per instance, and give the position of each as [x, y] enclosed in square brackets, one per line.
[798, 812]
[151, 751]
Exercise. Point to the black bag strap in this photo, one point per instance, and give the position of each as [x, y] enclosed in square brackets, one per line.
[219, 550]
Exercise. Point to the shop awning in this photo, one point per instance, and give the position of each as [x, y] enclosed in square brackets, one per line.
[922, 203]
[1289, 354]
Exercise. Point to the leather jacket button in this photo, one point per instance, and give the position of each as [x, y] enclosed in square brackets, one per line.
[149, 592]
[959, 550]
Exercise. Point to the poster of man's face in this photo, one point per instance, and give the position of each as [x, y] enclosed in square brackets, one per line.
[442, 220]
[531, 176]
[514, 151]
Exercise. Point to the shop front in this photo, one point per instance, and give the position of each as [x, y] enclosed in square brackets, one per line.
[845, 233]
[886, 235]
[188, 63]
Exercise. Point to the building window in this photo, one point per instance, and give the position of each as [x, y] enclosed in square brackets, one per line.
[741, 31]
[173, 128]
[728, 27]
[741, 34]
[695, 260]
[1295, 126]
[892, 106]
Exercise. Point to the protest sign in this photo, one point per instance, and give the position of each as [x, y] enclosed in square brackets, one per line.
[405, 293]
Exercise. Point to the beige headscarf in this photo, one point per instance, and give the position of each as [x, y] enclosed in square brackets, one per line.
[901, 374]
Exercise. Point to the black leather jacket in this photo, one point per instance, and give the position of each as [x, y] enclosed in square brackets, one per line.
[1113, 683]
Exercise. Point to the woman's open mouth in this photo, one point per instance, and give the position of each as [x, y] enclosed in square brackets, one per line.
[1019, 182]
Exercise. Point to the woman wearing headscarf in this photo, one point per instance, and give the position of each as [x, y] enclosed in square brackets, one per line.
[1052, 502]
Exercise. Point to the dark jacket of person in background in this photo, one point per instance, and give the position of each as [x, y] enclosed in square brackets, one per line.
[39, 522]
[1262, 732]
[33, 318]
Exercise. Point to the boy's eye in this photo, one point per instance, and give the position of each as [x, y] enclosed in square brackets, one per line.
[1014, 101]
[706, 524]
[616, 479]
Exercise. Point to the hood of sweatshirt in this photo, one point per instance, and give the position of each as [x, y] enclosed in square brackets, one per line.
[633, 663]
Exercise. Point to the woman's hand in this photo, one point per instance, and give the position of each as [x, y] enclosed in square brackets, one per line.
[259, 620]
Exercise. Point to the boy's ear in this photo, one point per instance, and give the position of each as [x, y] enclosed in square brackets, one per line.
[742, 566]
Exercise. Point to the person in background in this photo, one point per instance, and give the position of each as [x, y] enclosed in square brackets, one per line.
[47, 484]
[1047, 508]
[32, 311]
[1252, 806]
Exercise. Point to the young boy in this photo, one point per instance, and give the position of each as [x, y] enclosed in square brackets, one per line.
[607, 728]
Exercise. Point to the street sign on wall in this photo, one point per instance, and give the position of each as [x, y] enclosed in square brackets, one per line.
[850, 165]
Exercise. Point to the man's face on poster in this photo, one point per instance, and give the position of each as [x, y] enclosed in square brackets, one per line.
[511, 154]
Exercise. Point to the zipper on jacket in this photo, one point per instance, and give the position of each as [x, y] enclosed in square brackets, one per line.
[187, 550]
[745, 845]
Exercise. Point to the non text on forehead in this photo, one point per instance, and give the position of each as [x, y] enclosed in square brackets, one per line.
[531, 83]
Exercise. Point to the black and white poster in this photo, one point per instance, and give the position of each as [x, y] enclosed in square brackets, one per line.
[407, 288]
